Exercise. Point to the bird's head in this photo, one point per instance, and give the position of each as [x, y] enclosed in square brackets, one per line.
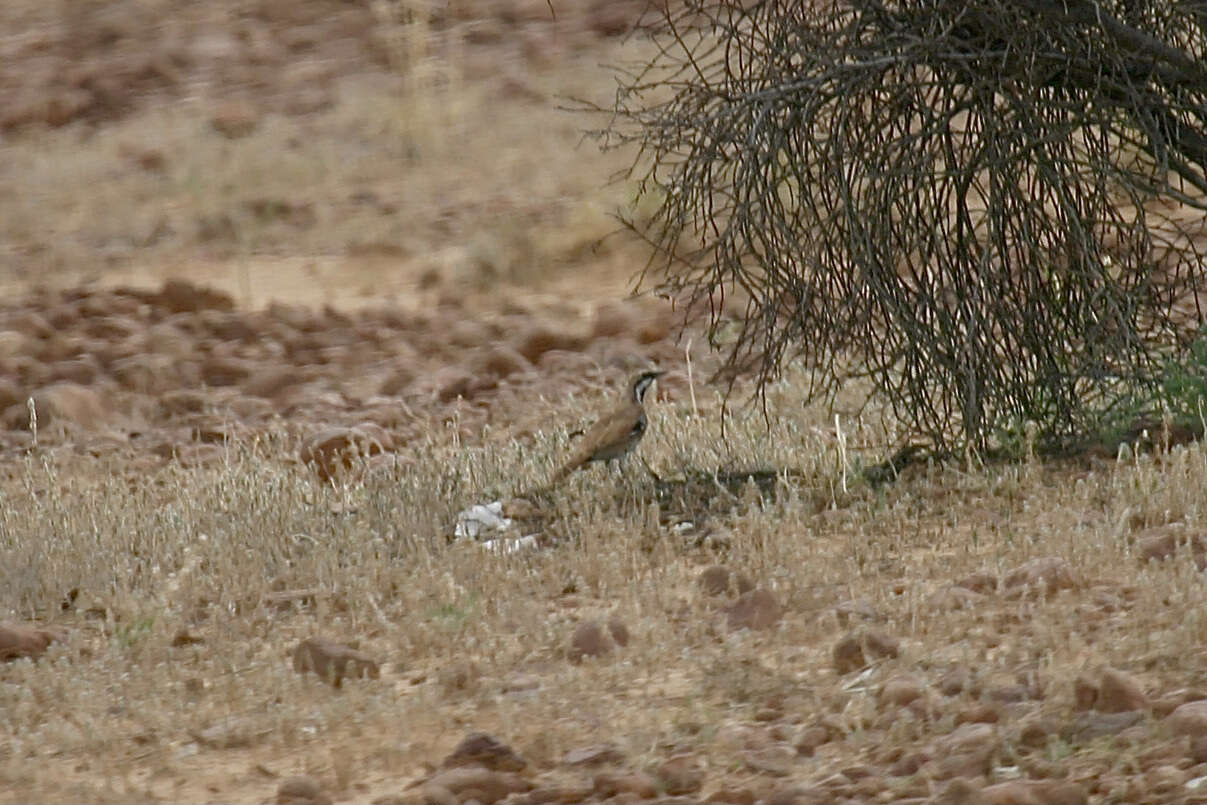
[642, 383]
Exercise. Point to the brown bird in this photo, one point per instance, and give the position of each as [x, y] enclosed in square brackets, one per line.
[616, 433]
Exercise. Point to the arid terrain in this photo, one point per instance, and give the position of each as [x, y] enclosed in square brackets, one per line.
[291, 286]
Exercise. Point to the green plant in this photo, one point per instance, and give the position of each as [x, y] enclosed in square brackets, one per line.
[1184, 384]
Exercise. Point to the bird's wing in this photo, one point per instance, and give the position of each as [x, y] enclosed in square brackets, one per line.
[605, 433]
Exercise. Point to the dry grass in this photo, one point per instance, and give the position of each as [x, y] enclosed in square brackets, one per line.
[475, 641]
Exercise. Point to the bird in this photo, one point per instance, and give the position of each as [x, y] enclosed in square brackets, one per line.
[616, 432]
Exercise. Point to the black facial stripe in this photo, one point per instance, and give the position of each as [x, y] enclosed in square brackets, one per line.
[642, 386]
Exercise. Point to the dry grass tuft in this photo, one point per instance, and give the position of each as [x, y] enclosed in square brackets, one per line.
[473, 641]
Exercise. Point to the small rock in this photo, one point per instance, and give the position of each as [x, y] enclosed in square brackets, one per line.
[181, 296]
[1120, 693]
[1034, 732]
[608, 784]
[301, 790]
[732, 796]
[979, 713]
[589, 640]
[901, 690]
[608, 20]
[235, 119]
[771, 712]
[967, 738]
[151, 160]
[1050, 573]
[557, 795]
[1159, 544]
[810, 738]
[1085, 693]
[715, 580]
[849, 655]
[975, 763]
[857, 651]
[184, 637]
[800, 795]
[619, 631]
[601, 754]
[17, 641]
[908, 764]
[777, 759]
[1165, 704]
[955, 681]
[1189, 719]
[757, 609]
[960, 791]
[982, 582]
[1040, 768]
[475, 782]
[481, 749]
[541, 339]
[333, 661]
[680, 775]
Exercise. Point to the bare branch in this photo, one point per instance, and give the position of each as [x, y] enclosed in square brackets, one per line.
[967, 202]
